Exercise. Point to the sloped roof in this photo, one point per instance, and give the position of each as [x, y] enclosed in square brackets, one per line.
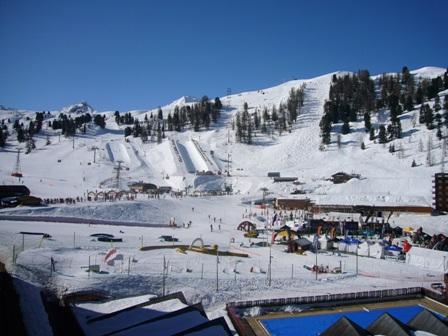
[345, 326]
[428, 321]
[167, 315]
[387, 325]
[216, 327]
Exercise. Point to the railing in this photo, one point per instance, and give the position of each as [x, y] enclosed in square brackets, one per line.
[386, 293]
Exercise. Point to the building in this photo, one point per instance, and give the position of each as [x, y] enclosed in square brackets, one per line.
[13, 191]
[342, 177]
[440, 191]
[141, 187]
[273, 174]
[165, 315]
[285, 179]
[400, 311]
[293, 203]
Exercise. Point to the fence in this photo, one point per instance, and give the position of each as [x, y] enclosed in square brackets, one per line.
[243, 328]
[76, 220]
[382, 294]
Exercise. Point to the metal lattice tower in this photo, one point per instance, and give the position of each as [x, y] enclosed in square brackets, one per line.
[117, 176]
[17, 170]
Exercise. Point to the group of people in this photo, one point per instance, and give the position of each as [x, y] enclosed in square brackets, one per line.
[67, 200]
[214, 221]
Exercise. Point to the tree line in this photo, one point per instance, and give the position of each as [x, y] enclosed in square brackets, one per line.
[197, 116]
[278, 119]
[357, 96]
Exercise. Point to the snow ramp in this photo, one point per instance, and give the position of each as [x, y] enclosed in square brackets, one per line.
[117, 151]
[191, 157]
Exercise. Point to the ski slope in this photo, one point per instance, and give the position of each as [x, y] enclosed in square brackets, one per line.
[66, 169]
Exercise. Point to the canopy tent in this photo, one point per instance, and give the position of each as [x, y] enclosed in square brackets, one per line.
[284, 235]
[246, 226]
[349, 245]
[300, 244]
[392, 251]
[323, 242]
[426, 258]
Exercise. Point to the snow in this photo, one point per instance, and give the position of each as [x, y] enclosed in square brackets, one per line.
[59, 170]
[428, 72]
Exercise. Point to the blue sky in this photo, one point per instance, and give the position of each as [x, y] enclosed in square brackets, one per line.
[121, 55]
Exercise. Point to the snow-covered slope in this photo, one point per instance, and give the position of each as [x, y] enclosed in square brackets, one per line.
[58, 169]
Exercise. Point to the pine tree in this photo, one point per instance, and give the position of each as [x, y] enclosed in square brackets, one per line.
[409, 105]
[345, 127]
[419, 96]
[367, 123]
[170, 122]
[437, 106]
[239, 131]
[2, 138]
[256, 121]
[127, 131]
[20, 134]
[413, 164]
[144, 135]
[439, 133]
[159, 113]
[99, 120]
[159, 134]
[218, 104]
[382, 137]
[274, 115]
[249, 133]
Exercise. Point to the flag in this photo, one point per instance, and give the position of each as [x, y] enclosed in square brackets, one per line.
[110, 255]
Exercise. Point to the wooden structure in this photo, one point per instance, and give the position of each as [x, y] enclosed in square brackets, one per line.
[293, 204]
[370, 210]
[440, 191]
[285, 179]
[341, 177]
[246, 226]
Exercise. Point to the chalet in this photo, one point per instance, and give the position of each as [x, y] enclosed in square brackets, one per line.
[164, 189]
[205, 173]
[342, 177]
[140, 187]
[293, 203]
[341, 227]
[285, 179]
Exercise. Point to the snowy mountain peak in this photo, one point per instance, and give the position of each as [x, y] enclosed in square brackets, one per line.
[184, 100]
[79, 108]
[428, 72]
